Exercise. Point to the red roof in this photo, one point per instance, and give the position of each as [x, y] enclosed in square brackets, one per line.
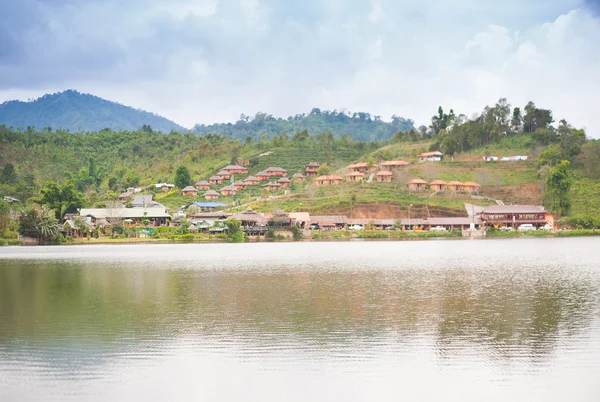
[393, 163]
[384, 173]
[417, 181]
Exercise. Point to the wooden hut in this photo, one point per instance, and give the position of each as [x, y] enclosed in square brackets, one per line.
[189, 190]
[384, 176]
[416, 184]
[330, 180]
[438, 185]
[211, 195]
[354, 177]
[471, 187]
[454, 185]
[284, 181]
[202, 185]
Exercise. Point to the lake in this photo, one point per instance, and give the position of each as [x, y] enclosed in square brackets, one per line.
[448, 320]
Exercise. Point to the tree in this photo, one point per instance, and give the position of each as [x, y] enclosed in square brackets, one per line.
[590, 157]
[516, 122]
[28, 223]
[182, 177]
[235, 234]
[558, 186]
[8, 174]
[48, 225]
[62, 199]
[551, 156]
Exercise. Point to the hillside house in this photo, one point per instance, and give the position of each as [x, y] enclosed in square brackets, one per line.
[471, 187]
[354, 177]
[454, 185]
[146, 201]
[298, 177]
[224, 175]
[123, 197]
[276, 171]
[328, 222]
[240, 185]
[272, 186]
[330, 180]
[166, 187]
[392, 165]
[384, 176]
[514, 215]
[211, 195]
[284, 181]
[434, 156]
[438, 185]
[202, 185]
[227, 191]
[190, 191]
[416, 184]
[112, 216]
[235, 169]
[311, 169]
[243, 162]
[250, 218]
[262, 176]
[215, 180]
[358, 167]
[252, 181]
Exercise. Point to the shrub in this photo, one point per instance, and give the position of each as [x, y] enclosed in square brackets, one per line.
[14, 242]
[2, 242]
[9, 234]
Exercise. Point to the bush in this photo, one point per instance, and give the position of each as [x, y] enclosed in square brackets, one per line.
[2, 242]
[9, 234]
[14, 242]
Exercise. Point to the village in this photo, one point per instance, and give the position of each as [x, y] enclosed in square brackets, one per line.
[211, 205]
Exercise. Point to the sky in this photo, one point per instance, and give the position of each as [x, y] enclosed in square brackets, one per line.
[207, 61]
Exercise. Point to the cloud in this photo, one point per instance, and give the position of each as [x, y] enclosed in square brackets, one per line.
[211, 60]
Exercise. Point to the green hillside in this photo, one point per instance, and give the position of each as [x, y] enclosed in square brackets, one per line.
[74, 111]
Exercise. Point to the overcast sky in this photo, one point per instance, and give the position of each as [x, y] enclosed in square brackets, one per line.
[205, 61]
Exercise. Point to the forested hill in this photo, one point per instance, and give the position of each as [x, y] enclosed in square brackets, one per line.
[75, 112]
[359, 125]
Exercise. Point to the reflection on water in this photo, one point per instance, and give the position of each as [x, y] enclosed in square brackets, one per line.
[447, 320]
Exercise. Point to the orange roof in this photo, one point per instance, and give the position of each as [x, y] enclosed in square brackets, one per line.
[437, 182]
[384, 173]
[355, 174]
[357, 165]
[393, 163]
[417, 181]
[323, 178]
[454, 183]
[471, 184]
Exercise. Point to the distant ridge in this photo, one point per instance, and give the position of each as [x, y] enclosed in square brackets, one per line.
[76, 111]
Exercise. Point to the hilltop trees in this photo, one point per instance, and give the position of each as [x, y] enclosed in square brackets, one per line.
[62, 199]
[557, 196]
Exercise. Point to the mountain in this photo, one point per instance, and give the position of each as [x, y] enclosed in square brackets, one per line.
[76, 111]
[359, 126]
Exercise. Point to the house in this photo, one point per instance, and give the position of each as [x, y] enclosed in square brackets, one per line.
[125, 196]
[298, 177]
[354, 177]
[384, 176]
[189, 190]
[358, 167]
[210, 216]
[454, 186]
[202, 185]
[514, 215]
[273, 186]
[252, 181]
[331, 180]
[227, 191]
[224, 175]
[262, 176]
[235, 169]
[250, 218]
[243, 162]
[454, 223]
[329, 221]
[300, 219]
[166, 187]
[416, 184]
[311, 169]
[215, 180]
[471, 187]
[279, 219]
[284, 181]
[240, 185]
[435, 156]
[276, 171]
[146, 201]
[413, 224]
[211, 195]
[111, 216]
[438, 185]
[392, 165]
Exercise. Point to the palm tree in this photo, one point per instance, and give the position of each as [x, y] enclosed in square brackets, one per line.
[47, 225]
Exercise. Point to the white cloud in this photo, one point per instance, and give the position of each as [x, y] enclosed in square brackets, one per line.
[211, 60]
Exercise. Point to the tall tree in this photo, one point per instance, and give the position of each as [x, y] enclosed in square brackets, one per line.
[558, 186]
[8, 174]
[62, 199]
[182, 177]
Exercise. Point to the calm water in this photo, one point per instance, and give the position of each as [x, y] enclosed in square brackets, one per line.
[499, 320]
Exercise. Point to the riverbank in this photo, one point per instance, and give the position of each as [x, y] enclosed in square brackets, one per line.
[329, 235]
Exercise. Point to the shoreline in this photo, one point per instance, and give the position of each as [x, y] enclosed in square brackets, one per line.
[333, 236]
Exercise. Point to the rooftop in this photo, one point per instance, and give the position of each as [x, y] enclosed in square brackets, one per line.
[190, 188]
[393, 163]
[275, 169]
[384, 173]
[124, 213]
[330, 177]
[429, 154]
[417, 181]
[513, 209]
